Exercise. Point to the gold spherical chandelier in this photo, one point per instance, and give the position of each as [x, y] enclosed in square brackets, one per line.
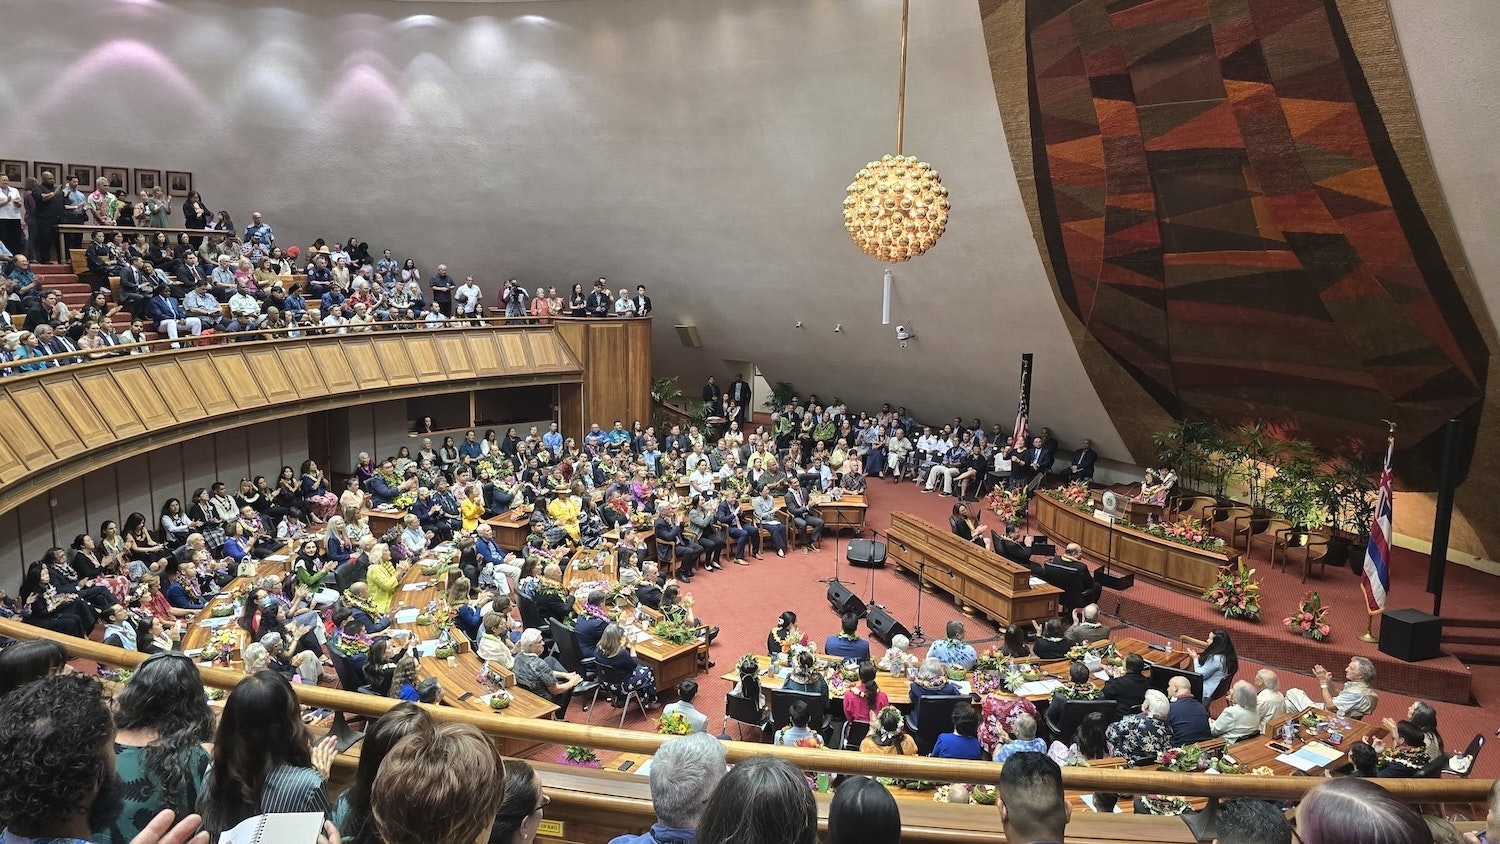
[897, 207]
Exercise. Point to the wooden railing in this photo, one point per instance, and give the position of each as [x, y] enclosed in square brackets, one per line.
[835, 761]
[69, 420]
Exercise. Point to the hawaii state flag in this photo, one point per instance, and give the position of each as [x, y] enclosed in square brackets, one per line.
[1377, 574]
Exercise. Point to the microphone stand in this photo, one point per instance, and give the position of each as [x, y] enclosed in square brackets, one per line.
[917, 636]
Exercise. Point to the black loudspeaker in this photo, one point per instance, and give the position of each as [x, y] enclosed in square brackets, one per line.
[1114, 580]
[1410, 635]
[882, 626]
[866, 553]
[844, 601]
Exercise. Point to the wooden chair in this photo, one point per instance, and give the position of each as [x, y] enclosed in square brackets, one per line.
[1313, 551]
[1195, 506]
[1236, 519]
[1275, 535]
[1198, 645]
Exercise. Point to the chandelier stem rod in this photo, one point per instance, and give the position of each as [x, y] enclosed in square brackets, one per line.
[901, 89]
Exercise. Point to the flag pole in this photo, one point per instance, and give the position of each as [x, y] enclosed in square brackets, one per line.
[1379, 606]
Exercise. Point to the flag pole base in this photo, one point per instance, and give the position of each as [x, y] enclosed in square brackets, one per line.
[1368, 635]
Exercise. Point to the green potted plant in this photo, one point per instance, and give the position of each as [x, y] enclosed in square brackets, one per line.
[781, 395]
[1350, 498]
[1296, 491]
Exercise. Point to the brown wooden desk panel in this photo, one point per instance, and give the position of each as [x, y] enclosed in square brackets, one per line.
[987, 582]
[1181, 567]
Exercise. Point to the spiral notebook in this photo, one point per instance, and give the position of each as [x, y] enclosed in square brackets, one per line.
[281, 828]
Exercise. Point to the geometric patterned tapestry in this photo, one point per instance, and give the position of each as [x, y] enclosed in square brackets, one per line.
[1224, 214]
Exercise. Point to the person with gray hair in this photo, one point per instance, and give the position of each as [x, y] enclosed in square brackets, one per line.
[1239, 719]
[1144, 734]
[684, 772]
[1245, 821]
[1356, 699]
[545, 677]
[1269, 701]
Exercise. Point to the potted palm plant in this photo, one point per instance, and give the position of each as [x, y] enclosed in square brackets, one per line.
[1296, 492]
[1349, 495]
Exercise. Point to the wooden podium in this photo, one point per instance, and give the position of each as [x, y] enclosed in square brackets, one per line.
[979, 581]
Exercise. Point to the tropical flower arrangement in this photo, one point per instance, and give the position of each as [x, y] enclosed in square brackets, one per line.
[1104, 650]
[1186, 532]
[983, 795]
[1017, 676]
[1224, 766]
[991, 660]
[849, 671]
[1076, 495]
[118, 675]
[674, 632]
[444, 651]
[435, 568]
[222, 644]
[582, 563]
[404, 500]
[1310, 618]
[1008, 505]
[956, 672]
[582, 756]
[1186, 758]
[641, 520]
[221, 609]
[673, 724]
[1236, 593]
[1163, 804]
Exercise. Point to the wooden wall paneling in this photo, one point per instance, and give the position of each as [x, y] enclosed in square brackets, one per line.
[101, 499]
[232, 456]
[639, 380]
[13, 567]
[180, 395]
[148, 404]
[454, 353]
[295, 369]
[11, 467]
[264, 444]
[421, 361]
[574, 334]
[314, 440]
[515, 351]
[364, 364]
[484, 354]
[607, 395]
[333, 365]
[70, 517]
[28, 435]
[36, 532]
[570, 410]
[104, 392]
[74, 404]
[209, 384]
[133, 480]
[243, 386]
[271, 376]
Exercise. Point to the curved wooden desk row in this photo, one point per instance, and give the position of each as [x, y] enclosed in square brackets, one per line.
[978, 580]
[1178, 566]
[596, 805]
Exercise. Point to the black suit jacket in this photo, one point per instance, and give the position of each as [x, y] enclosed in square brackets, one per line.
[796, 502]
[1084, 459]
[642, 305]
[1128, 691]
[598, 304]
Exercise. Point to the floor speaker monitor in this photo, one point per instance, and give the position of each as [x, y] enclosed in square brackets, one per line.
[882, 626]
[843, 601]
[1410, 635]
[866, 553]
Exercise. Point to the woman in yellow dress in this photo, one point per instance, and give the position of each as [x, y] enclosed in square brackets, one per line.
[383, 578]
[564, 509]
[471, 509]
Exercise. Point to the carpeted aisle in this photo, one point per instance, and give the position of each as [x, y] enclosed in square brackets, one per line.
[744, 601]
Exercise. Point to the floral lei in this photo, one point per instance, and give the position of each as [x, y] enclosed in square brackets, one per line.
[1411, 757]
[1087, 691]
[190, 586]
[594, 611]
[358, 603]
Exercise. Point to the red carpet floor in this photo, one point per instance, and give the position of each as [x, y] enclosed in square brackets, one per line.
[745, 602]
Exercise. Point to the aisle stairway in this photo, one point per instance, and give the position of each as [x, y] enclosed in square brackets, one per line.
[1476, 641]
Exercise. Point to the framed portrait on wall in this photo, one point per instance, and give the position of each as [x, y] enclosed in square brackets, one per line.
[85, 173]
[13, 170]
[179, 182]
[38, 167]
[119, 177]
[146, 180]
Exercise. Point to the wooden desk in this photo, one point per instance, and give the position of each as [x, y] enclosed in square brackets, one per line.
[512, 527]
[196, 636]
[382, 520]
[1181, 567]
[848, 513]
[980, 581]
[1256, 751]
[459, 678]
[671, 663]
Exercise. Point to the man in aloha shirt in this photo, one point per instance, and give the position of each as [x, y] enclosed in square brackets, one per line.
[1144, 734]
[952, 650]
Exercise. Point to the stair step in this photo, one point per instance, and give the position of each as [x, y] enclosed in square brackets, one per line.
[1470, 657]
[1471, 639]
[1493, 623]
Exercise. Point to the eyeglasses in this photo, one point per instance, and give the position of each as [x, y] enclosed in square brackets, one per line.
[542, 805]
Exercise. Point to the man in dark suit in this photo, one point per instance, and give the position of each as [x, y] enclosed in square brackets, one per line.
[642, 301]
[668, 531]
[739, 393]
[1074, 578]
[41, 309]
[799, 508]
[598, 303]
[647, 589]
[589, 628]
[1128, 690]
[1082, 467]
[1049, 447]
[713, 396]
[190, 272]
[1187, 717]
[676, 439]
[136, 287]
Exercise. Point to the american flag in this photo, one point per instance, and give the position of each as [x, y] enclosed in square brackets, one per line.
[1377, 575]
[1023, 405]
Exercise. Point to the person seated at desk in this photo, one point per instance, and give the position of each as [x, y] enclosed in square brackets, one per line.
[1013, 642]
[1086, 627]
[1071, 574]
[1356, 699]
[1078, 687]
[805, 676]
[1051, 642]
[648, 587]
[1128, 690]
[1145, 734]
[1218, 662]
[1157, 488]
[932, 679]
[952, 649]
[1088, 741]
[1187, 717]
[552, 601]
[963, 742]
[545, 677]
[1408, 757]
[1238, 720]
[862, 701]
[183, 590]
[1024, 739]
[887, 735]
[687, 690]
[847, 644]
[798, 733]
[386, 486]
[494, 643]
[591, 624]
[969, 528]
[634, 676]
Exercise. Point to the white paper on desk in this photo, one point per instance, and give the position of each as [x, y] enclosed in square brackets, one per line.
[1037, 581]
[1297, 762]
[643, 769]
[277, 558]
[192, 652]
[215, 622]
[415, 587]
[1314, 754]
[1038, 687]
[639, 636]
[281, 828]
[406, 616]
[1102, 675]
[1088, 800]
[427, 647]
[964, 687]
